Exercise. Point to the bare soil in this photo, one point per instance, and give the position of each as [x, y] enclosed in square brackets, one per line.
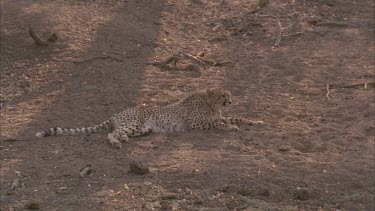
[289, 63]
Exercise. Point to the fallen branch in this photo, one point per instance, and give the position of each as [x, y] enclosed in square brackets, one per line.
[194, 59]
[204, 62]
[365, 85]
[357, 85]
[164, 65]
[99, 57]
[198, 63]
[13, 140]
[334, 24]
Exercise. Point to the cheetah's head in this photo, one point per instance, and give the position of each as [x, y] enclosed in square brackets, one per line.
[219, 97]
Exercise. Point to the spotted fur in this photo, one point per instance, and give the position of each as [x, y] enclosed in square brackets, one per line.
[199, 110]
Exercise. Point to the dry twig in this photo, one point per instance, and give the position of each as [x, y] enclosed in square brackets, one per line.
[328, 92]
[259, 173]
[280, 34]
[282, 29]
[294, 34]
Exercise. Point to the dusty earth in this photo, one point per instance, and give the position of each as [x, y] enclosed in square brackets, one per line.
[316, 151]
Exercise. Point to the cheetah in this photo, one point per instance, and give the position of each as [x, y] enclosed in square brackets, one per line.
[199, 110]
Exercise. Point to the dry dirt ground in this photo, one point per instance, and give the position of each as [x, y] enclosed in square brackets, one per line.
[316, 151]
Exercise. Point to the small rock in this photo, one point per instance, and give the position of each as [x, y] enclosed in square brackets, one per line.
[330, 3]
[223, 189]
[156, 22]
[244, 191]
[201, 54]
[169, 196]
[87, 170]
[284, 148]
[9, 193]
[62, 190]
[198, 201]
[52, 38]
[301, 194]
[208, 209]
[138, 168]
[192, 68]
[32, 206]
[263, 3]
[15, 184]
[218, 39]
[152, 205]
[164, 206]
[264, 192]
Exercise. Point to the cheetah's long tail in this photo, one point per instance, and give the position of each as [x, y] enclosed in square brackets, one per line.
[106, 125]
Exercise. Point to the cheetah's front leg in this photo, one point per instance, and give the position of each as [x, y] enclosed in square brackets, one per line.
[237, 121]
[224, 126]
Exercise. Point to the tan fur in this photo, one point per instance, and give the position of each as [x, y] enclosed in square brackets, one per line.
[199, 110]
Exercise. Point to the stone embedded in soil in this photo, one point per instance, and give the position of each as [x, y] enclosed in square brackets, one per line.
[301, 194]
[85, 171]
[244, 191]
[138, 168]
[9, 193]
[32, 206]
[168, 196]
[284, 148]
[223, 189]
[164, 206]
[264, 192]
[198, 201]
[62, 190]
[152, 206]
[15, 184]
[208, 209]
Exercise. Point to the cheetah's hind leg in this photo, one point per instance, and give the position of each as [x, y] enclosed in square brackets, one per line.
[116, 136]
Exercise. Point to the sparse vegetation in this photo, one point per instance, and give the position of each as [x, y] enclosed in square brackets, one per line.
[306, 68]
